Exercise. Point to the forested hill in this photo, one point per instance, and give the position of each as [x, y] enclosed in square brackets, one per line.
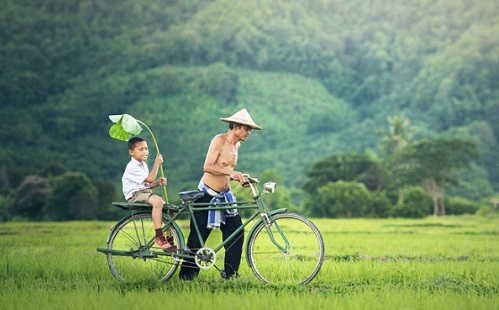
[320, 77]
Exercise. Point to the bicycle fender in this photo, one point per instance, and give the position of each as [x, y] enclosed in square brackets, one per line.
[278, 211]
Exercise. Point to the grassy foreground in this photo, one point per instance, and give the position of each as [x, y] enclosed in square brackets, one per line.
[433, 263]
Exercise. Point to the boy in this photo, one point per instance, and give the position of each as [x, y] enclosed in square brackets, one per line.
[137, 184]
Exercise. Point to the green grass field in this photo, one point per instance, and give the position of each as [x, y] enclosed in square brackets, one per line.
[433, 263]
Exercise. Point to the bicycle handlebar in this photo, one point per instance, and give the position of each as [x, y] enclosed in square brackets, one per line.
[250, 179]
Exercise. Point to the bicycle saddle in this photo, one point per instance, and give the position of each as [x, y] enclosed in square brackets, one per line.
[191, 195]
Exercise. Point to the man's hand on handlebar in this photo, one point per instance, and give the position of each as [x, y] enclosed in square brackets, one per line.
[238, 176]
[249, 180]
[244, 179]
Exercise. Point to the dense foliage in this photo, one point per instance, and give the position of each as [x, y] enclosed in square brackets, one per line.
[321, 77]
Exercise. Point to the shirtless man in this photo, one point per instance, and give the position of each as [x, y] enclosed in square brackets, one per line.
[221, 159]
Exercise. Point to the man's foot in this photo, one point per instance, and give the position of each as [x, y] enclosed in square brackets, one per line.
[187, 277]
[165, 245]
[232, 276]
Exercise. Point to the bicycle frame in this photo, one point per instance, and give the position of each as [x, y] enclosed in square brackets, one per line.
[266, 216]
[281, 247]
[190, 208]
[257, 203]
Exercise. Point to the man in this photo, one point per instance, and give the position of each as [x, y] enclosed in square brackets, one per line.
[221, 159]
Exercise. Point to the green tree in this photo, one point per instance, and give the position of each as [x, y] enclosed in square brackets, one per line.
[381, 204]
[30, 198]
[221, 83]
[416, 205]
[459, 205]
[398, 136]
[106, 194]
[6, 200]
[73, 197]
[343, 199]
[346, 167]
[432, 165]
[53, 169]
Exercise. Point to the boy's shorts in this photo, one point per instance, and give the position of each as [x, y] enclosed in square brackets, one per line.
[141, 196]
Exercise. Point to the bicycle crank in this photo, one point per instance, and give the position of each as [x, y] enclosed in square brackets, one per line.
[205, 258]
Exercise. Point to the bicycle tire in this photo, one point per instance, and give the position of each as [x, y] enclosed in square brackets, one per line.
[300, 264]
[130, 236]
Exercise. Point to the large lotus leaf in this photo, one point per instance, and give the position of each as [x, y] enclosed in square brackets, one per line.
[116, 131]
[125, 127]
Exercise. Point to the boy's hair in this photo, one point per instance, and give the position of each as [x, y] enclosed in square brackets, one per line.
[133, 141]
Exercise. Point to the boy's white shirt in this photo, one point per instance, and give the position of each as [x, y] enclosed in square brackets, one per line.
[134, 177]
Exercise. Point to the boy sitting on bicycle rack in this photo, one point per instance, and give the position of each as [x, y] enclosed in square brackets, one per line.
[138, 183]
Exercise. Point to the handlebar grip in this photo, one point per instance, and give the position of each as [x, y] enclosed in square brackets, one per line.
[252, 180]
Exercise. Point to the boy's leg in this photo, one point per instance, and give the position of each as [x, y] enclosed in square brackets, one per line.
[157, 216]
[157, 210]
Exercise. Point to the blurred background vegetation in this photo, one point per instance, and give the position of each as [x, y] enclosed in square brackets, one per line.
[369, 108]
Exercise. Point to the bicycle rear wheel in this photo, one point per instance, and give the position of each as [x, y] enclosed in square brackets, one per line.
[132, 258]
[297, 264]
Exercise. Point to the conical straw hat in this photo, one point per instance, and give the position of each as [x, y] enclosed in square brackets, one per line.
[242, 117]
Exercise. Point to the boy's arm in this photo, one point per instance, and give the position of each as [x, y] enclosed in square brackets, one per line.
[158, 182]
[154, 171]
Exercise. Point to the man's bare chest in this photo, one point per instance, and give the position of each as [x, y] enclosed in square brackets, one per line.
[228, 156]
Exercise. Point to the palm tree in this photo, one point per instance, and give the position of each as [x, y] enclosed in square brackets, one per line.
[399, 135]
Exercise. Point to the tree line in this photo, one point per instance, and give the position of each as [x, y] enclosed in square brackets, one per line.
[321, 76]
[409, 181]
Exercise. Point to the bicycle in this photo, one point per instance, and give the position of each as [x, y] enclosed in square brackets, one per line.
[281, 247]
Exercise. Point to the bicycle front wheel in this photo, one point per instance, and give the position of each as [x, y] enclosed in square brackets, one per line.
[133, 257]
[296, 260]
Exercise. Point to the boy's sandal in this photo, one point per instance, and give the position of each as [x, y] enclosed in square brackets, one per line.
[169, 239]
[165, 245]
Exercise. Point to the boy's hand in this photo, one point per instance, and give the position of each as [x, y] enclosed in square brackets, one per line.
[162, 181]
[159, 160]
